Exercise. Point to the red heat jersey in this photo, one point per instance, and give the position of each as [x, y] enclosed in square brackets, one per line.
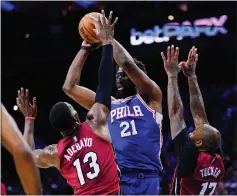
[88, 164]
[208, 172]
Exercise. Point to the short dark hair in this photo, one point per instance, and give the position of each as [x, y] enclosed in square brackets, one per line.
[140, 64]
[61, 117]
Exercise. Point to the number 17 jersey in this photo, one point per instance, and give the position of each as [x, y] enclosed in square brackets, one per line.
[88, 164]
[136, 135]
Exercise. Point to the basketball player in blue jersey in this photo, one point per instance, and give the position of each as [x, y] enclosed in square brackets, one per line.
[134, 121]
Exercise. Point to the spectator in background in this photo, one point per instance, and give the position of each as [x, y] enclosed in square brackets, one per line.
[231, 182]
[221, 190]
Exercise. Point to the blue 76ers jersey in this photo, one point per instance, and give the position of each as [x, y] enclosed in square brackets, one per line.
[136, 135]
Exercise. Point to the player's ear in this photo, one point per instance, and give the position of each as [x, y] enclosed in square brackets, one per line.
[198, 143]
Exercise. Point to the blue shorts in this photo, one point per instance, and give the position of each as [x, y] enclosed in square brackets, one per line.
[140, 184]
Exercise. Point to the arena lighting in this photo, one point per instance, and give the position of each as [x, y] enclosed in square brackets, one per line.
[27, 35]
[7, 6]
[170, 17]
[15, 107]
[183, 7]
[85, 4]
[204, 26]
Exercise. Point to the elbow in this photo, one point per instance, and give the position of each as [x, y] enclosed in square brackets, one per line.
[67, 88]
[23, 152]
[176, 111]
[124, 63]
[68, 85]
[200, 121]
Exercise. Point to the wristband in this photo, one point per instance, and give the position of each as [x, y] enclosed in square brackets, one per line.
[87, 48]
[92, 47]
[29, 118]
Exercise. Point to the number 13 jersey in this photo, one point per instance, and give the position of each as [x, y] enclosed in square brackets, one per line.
[136, 135]
[88, 164]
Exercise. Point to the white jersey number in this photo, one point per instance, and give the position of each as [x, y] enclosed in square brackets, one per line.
[208, 185]
[125, 125]
[94, 166]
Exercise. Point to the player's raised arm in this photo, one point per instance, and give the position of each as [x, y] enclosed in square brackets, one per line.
[175, 105]
[46, 157]
[196, 100]
[98, 114]
[145, 85]
[29, 112]
[81, 95]
[23, 158]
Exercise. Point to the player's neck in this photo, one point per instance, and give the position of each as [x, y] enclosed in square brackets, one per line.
[70, 133]
[207, 151]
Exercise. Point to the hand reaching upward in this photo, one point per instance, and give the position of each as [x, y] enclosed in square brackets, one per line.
[23, 102]
[171, 65]
[189, 67]
[104, 29]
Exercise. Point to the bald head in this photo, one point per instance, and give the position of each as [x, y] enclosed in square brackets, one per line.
[211, 137]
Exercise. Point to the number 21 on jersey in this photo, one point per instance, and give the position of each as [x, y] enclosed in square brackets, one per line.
[127, 128]
[94, 167]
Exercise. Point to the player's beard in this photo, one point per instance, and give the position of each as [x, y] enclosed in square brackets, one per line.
[126, 92]
[128, 88]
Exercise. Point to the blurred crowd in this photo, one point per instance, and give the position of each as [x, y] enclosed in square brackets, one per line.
[221, 111]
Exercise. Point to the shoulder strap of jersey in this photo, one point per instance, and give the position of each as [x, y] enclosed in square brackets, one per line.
[156, 115]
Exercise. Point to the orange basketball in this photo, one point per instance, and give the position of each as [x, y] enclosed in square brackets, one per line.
[86, 27]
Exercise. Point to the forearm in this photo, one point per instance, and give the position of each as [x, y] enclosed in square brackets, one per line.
[74, 72]
[196, 102]
[29, 133]
[105, 77]
[121, 55]
[28, 172]
[175, 107]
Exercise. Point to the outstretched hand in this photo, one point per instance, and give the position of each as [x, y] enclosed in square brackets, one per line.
[189, 67]
[171, 65]
[23, 103]
[104, 29]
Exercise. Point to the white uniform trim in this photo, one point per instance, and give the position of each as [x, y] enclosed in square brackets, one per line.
[158, 118]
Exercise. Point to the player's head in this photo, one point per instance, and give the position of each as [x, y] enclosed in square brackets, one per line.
[206, 138]
[64, 118]
[125, 86]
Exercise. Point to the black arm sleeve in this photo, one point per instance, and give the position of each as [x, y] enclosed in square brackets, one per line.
[106, 72]
[180, 140]
[186, 152]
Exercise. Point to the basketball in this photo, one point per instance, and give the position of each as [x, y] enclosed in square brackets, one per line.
[86, 27]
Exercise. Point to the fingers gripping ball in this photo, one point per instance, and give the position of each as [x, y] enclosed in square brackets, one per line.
[86, 27]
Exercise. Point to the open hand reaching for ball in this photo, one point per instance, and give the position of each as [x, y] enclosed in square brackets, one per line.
[104, 29]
